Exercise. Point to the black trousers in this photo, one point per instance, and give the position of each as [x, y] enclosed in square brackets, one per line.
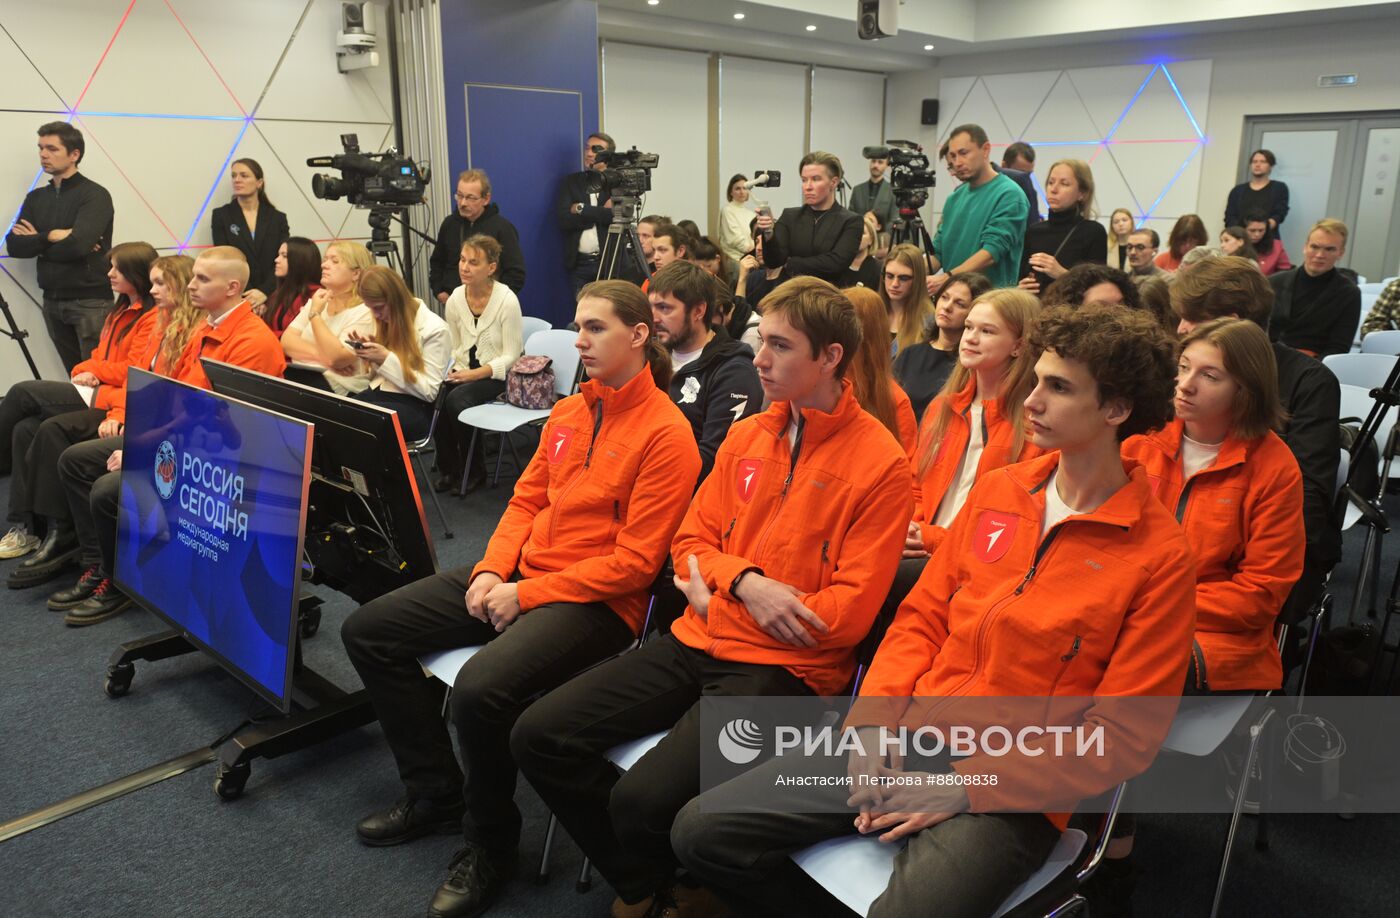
[542, 649]
[25, 407]
[623, 823]
[963, 867]
[453, 436]
[415, 415]
[75, 326]
[79, 468]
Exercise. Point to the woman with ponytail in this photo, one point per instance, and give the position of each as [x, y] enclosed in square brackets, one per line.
[562, 585]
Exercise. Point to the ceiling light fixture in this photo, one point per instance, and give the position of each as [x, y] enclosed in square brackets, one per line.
[738, 15]
[811, 28]
[653, 2]
[928, 47]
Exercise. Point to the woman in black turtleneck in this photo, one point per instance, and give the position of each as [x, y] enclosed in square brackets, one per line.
[1068, 237]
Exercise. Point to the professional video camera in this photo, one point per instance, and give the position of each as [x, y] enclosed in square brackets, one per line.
[910, 172]
[628, 174]
[369, 179]
[766, 178]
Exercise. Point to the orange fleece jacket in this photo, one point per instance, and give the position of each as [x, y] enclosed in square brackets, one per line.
[147, 359]
[905, 420]
[997, 436]
[112, 356]
[826, 517]
[242, 339]
[1102, 606]
[1243, 516]
[596, 507]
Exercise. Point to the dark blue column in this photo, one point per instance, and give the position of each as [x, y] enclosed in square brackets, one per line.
[521, 82]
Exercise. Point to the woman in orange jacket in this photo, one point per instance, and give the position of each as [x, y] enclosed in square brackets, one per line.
[31, 403]
[562, 585]
[870, 373]
[1235, 487]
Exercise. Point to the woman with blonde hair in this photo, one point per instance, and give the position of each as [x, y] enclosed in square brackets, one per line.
[870, 374]
[976, 423]
[864, 270]
[1070, 235]
[1120, 226]
[406, 356]
[905, 292]
[318, 334]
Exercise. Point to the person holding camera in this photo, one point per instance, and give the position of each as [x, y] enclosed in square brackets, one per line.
[876, 197]
[584, 214]
[819, 238]
[475, 216]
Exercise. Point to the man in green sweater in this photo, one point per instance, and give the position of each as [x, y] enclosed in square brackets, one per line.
[984, 219]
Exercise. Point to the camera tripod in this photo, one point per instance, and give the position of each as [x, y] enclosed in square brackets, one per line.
[909, 227]
[17, 334]
[383, 246]
[621, 252]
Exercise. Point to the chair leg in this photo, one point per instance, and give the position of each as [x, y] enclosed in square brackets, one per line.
[432, 492]
[585, 877]
[500, 454]
[542, 875]
[467, 469]
[1255, 732]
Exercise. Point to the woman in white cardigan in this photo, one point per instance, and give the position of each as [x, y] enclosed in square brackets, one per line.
[483, 317]
[735, 237]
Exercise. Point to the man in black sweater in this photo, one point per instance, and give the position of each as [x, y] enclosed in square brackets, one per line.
[714, 382]
[1317, 309]
[475, 215]
[67, 226]
[1233, 287]
[1261, 194]
[583, 215]
[820, 237]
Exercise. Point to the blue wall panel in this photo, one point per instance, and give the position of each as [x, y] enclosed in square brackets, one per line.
[526, 74]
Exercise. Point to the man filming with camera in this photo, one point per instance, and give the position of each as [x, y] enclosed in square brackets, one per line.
[819, 238]
[583, 217]
[875, 197]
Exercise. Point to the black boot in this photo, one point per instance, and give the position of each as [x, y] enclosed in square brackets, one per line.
[74, 595]
[105, 602]
[475, 879]
[409, 819]
[55, 554]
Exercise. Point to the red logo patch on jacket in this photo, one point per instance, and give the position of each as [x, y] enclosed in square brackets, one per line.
[559, 440]
[746, 479]
[994, 534]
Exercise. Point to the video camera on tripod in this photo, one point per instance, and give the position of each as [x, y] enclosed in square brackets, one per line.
[910, 172]
[369, 179]
[626, 179]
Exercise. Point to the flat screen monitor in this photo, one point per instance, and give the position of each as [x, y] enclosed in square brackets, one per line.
[366, 534]
[210, 523]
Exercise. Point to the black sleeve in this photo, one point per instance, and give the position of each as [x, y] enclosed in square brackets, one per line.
[1280, 203]
[218, 227]
[1314, 440]
[1343, 331]
[734, 394]
[91, 224]
[1095, 245]
[512, 267]
[441, 277]
[1233, 217]
[568, 220]
[1279, 319]
[284, 230]
[776, 247]
[831, 262]
[26, 246]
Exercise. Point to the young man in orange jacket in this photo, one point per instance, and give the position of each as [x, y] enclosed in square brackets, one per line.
[1061, 577]
[785, 556]
[90, 471]
[562, 585]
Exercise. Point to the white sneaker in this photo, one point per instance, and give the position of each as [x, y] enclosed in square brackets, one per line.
[18, 542]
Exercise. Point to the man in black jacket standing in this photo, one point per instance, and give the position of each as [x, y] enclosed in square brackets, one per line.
[583, 216]
[713, 382]
[475, 215]
[67, 226]
[819, 238]
[1317, 309]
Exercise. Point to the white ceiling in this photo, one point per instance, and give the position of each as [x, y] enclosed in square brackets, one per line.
[776, 29]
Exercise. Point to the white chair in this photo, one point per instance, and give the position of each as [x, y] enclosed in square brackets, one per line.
[1373, 289]
[1367, 301]
[502, 418]
[1369, 371]
[529, 325]
[1382, 342]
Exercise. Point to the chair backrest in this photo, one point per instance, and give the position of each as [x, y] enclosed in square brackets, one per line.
[1373, 289]
[558, 345]
[1366, 370]
[1355, 402]
[530, 324]
[1381, 342]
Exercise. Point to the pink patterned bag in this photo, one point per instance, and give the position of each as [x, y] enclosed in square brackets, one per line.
[530, 383]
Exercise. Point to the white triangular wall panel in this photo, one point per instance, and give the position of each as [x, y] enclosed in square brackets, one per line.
[980, 108]
[17, 285]
[1106, 91]
[309, 85]
[1110, 188]
[1157, 115]
[1178, 191]
[1062, 118]
[952, 93]
[246, 71]
[24, 86]
[66, 55]
[179, 81]
[1018, 96]
[19, 169]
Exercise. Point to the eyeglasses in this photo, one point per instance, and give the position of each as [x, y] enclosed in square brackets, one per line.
[469, 198]
[898, 278]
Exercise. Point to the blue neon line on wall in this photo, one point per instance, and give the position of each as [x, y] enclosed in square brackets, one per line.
[1131, 103]
[1184, 107]
[1179, 171]
[157, 115]
[218, 177]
